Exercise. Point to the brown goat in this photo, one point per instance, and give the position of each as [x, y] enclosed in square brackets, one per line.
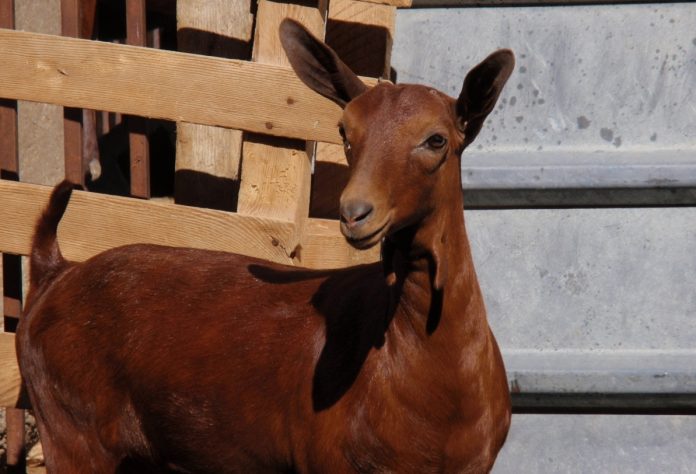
[154, 359]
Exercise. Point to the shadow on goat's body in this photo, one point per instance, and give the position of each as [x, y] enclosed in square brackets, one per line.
[147, 358]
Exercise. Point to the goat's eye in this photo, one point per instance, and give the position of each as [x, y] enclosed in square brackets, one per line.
[436, 141]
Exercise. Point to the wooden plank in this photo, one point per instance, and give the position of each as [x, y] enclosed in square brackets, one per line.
[94, 223]
[362, 35]
[236, 94]
[276, 175]
[8, 111]
[267, 47]
[136, 35]
[8, 138]
[214, 27]
[9, 372]
[323, 246]
[208, 158]
[276, 178]
[72, 117]
[207, 166]
[393, 3]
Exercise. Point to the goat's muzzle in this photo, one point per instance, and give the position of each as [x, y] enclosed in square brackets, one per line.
[360, 225]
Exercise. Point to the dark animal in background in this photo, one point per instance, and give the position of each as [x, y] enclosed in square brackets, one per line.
[153, 359]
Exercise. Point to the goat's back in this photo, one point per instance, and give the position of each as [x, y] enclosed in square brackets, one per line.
[188, 355]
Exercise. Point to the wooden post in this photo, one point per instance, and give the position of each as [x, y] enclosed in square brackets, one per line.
[136, 35]
[72, 121]
[207, 158]
[361, 33]
[276, 173]
[8, 112]
[11, 302]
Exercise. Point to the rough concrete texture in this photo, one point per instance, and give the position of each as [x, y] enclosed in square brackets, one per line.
[591, 279]
[591, 77]
[39, 126]
[599, 444]
[591, 299]
[595, 86]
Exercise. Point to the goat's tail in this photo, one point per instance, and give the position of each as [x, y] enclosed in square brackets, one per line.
[46, 259]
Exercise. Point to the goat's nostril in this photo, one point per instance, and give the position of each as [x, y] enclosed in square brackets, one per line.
[355, 212]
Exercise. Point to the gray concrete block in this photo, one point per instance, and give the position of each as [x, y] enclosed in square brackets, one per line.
[591, 299]
[599, 444]
[601, 96]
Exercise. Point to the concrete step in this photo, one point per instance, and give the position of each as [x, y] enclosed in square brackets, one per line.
[599, 444]
[591, 300]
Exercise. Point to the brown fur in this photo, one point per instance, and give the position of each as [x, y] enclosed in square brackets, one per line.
[155, 359]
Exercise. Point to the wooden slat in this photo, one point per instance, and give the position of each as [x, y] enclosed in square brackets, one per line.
[9, 372]
[7, 14]
[275, 180]
[394, 3]
[267, 47]
[276, 175]
[208, 158]
[8, 138]
[362, 34]
[182, 87]
[72, 118]
[323, 246]
[94, 223]
[136, 35]
[8, 110]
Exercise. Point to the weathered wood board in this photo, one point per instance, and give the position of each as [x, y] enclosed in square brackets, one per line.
[181, 87]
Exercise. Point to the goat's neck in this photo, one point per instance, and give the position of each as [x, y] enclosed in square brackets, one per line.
[437, 253]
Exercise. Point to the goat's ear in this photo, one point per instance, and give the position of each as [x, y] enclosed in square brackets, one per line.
[318, 66]
[480, 92]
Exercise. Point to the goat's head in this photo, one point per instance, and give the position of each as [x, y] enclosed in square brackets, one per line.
[402, 142]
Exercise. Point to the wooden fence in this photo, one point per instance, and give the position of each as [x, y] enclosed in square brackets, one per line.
[233, 118]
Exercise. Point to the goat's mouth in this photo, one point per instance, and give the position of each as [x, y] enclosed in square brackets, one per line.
[370, 239]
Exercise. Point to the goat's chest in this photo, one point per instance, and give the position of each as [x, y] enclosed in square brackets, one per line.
[418, 431]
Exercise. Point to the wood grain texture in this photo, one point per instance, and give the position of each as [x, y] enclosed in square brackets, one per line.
[212, 150]
[267, 47]
[276, 175]
[275, 181]
[181, 87]
[208, 158]
[324, 246]
[136, 35]
[362, 34]
[9, 372]
[94, 223]
[219, 17]
[393, 3]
